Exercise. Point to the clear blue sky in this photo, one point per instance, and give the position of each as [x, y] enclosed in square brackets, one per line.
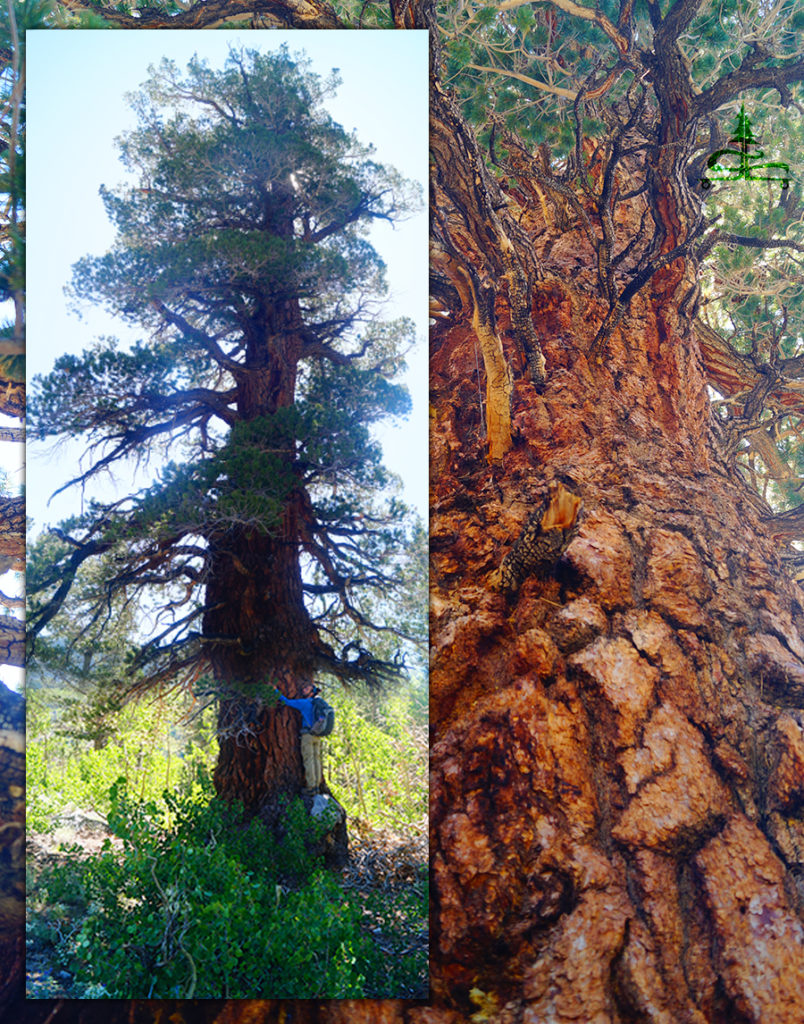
[77, 81]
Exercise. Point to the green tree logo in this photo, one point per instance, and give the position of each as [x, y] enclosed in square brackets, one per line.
[745, 142]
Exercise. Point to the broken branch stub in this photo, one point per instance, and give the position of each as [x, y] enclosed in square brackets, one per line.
[544, 538]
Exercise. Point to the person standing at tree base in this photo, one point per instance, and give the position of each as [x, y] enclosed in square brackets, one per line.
[310, 736]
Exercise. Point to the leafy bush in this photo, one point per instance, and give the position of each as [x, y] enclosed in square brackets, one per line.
[64, 769]
[202, 909]
[191, 901]
[376, 761]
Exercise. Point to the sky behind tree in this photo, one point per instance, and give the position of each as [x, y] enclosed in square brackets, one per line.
[78, 82]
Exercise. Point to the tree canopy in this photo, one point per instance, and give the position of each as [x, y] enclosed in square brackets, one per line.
[242, 254]
[568, 101]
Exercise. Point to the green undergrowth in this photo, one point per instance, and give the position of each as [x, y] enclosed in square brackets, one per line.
[194, 903]
[375, 761]
[187, 901]
[77, 747]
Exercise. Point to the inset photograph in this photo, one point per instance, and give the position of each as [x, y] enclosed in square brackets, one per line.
[227, 689]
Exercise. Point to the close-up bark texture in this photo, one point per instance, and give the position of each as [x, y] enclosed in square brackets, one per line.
[617, 690]
[617, 782]
[617, 774]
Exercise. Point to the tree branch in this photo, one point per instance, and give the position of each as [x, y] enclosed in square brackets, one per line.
[556, 90]
[217, 401]
[133, 439]
[203, 339]
[316, 349]
[596, 16]
[675, 22]
[211, 13]
[755, 243]
[37, 622]
[748, 76]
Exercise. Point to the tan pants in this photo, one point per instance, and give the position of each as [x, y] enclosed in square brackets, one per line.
[311, 757]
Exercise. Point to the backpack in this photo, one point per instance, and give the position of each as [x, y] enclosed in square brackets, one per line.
[323, 718]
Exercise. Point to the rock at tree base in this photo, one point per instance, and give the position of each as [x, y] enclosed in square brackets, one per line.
[334, 844]
[323, 807]
[329, 839]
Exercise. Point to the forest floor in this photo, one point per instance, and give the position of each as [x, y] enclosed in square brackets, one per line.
[380, 861]
[46, 978]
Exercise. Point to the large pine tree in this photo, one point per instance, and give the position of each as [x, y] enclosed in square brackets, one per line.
[242, 254]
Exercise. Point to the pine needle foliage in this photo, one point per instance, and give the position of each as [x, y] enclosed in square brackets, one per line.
[242, 255]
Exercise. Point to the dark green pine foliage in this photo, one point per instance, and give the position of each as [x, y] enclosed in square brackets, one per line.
[523, 65]
[561, 81]
[242, 253]
[753, 297]
[536, 68]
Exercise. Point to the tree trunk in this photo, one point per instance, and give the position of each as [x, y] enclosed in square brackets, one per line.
[260, 636]
[618, 765]
[257, 629]
[254, 607]
[618, 747]
[261, 759]
[614, 788]
[12, 534]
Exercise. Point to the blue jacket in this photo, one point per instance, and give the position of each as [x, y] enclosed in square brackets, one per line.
[303, 704]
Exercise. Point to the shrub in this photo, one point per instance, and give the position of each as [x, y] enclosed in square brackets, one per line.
[379, 771]
[198, 902]
[201, 910]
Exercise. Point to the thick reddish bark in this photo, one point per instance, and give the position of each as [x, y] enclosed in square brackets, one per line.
[12, 534]
[255, 606]
[617, 773]
[605, 841]
[262, 759]
[12, 399]
[258, 631]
